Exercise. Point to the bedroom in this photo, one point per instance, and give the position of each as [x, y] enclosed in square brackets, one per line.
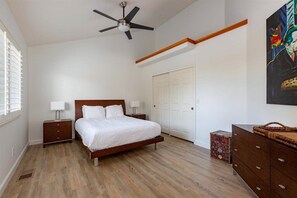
[76, 67]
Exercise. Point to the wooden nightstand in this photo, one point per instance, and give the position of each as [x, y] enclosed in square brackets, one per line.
[139, 116]
[57, 131]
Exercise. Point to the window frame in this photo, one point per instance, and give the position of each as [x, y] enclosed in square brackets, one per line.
[9, 115]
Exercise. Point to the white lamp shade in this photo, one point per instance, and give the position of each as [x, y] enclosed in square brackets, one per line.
[134, 103]
[57, 106]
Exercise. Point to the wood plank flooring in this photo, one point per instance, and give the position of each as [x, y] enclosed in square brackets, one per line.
[176, 169]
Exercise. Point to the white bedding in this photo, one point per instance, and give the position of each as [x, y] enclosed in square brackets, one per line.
[100, 134]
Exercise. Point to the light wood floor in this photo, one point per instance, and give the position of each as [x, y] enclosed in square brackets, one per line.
[176, 169]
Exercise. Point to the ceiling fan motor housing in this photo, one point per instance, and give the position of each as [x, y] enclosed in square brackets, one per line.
[123, 26]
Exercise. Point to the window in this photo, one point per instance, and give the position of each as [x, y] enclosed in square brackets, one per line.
[10, 78]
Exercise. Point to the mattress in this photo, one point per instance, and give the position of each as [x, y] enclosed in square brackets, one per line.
[100, 134]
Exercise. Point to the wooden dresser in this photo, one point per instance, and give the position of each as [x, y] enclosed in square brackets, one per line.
[269, 168]
[57, 131]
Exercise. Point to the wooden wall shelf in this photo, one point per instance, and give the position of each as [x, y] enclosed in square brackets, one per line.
[184, 45]
[174, 49]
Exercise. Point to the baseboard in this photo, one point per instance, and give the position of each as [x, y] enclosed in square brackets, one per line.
[34, 142]
[202, 144]
[12, 171]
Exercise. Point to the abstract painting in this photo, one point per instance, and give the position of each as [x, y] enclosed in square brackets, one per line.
[281, 34]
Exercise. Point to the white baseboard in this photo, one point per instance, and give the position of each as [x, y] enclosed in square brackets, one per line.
[34, 142]
[12, 171]
[202, 144]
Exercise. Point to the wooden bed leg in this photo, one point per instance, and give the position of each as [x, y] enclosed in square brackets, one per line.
[96, 161]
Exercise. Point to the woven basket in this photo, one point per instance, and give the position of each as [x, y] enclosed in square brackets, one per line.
[266, 129]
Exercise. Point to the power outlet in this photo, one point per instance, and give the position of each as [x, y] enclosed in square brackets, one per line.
[12, 151]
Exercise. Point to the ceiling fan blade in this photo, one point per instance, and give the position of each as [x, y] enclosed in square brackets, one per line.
[137, 26]
[131, 15]
[128, 33]
[105, 15]
[106, 29]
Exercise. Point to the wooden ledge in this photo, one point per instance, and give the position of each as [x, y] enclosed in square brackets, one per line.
[222, 31]
[194, 42]
[186, 40]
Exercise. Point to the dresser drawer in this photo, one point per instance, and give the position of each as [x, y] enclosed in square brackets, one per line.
[284, 159]
[254, 142]
[50, 137]
[54, 129]
[58, 124]
[283, 185]
[254, 182]
[260, 166]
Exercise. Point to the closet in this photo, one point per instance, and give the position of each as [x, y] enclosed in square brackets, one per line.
[174, 103]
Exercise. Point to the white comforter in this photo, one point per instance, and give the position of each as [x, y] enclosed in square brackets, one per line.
[105, 133]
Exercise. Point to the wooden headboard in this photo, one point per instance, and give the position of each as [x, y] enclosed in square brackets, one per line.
[104, 103]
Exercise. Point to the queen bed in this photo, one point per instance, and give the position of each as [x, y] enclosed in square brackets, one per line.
[106, 136]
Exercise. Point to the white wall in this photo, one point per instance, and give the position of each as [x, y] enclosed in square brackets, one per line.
[96, 68]
[221, 84]
[257, 12]
[15, 133]
[199, 19]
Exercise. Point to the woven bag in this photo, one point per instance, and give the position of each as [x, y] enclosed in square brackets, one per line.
[266, 129]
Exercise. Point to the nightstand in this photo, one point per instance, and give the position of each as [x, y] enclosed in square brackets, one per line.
[139, 116]
[57, 131]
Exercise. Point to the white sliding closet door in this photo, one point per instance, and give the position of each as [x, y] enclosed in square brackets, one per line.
[182, 100]
[173, 103]
[161, 105]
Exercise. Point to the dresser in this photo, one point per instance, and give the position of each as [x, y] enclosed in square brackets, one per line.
[269, 168]
[57, 131]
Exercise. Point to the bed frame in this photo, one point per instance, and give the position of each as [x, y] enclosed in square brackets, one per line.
[109, 151]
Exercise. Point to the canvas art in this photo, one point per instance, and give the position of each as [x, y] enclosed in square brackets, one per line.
[282, 55]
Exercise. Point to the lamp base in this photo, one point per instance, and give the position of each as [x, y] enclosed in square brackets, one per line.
[57, 117]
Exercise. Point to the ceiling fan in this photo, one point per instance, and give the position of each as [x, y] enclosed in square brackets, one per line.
[125, 24]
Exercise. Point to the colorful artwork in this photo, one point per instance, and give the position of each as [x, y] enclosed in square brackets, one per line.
[282, 55]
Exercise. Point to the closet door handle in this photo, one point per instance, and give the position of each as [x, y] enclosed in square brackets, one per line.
[154, 105]
[192, 108]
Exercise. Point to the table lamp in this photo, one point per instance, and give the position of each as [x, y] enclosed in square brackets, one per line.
[57, 106]
[134, 104]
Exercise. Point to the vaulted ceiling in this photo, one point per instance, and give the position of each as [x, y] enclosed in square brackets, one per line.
[50, 21]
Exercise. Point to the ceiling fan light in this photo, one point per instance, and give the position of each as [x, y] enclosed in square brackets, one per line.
[123, 27]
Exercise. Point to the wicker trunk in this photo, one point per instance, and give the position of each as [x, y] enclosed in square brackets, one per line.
[220, 142]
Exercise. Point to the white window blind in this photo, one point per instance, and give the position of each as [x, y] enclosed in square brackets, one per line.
[14, 77]
[10, 78]
[2, 72]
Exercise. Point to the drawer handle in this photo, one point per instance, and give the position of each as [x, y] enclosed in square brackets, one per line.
[281, 160]
[58, 124]
[258, 167]
[235, 134]
[235, 150]
[282, 186]
[258, 147]
[58, 138]
[235, 165]
[58, 131]
[258, 188]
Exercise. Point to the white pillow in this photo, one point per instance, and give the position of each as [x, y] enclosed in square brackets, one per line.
[93, 112]
[114, 111]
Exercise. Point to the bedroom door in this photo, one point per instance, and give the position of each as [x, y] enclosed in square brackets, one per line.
[182, 100]
[161, 105]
